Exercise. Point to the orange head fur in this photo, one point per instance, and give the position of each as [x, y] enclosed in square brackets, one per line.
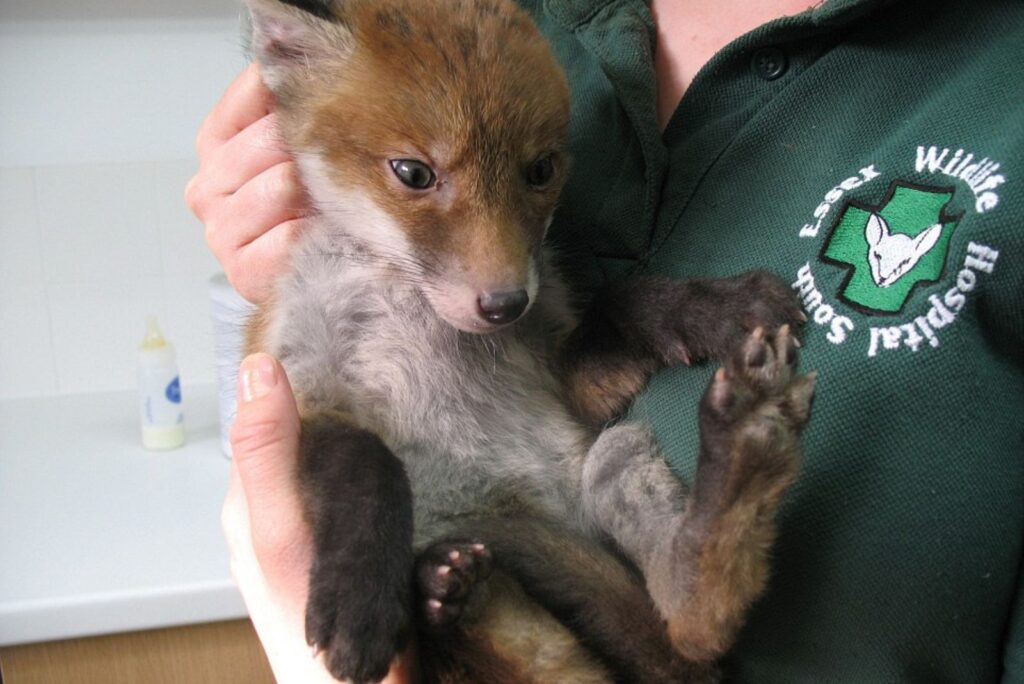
[434, 132]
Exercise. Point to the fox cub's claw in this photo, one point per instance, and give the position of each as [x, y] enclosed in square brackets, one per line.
[752, 415]
[446, 574]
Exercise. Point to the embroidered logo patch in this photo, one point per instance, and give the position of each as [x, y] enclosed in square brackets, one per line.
[893, 247]
[876, 247]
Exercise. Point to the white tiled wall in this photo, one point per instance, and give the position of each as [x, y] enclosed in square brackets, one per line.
[87, 252]
[99, 104]
[27, 363]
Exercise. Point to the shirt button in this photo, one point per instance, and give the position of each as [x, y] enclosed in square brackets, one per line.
[769, 63]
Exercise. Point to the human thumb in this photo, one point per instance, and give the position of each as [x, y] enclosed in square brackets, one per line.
[265, 450]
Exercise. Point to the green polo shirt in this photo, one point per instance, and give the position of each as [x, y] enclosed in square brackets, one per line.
[871, 153]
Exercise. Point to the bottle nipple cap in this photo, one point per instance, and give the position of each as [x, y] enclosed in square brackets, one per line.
[154, 339]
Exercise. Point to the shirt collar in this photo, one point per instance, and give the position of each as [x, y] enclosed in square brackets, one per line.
[831, 13]
[840, 12]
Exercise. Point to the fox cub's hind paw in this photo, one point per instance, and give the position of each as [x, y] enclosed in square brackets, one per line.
[750, 422]
[446, 575]
[752, 415]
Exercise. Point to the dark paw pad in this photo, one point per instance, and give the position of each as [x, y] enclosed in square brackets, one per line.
[753, 412]
[765, 363]
[446, 574]
[761, 375]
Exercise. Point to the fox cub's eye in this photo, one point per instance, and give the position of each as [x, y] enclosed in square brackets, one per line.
[413, 173]
[541, 171]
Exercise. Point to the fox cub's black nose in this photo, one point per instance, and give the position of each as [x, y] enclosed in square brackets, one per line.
[503, 307]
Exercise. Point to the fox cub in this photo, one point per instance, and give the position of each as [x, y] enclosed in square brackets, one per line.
[463, 480]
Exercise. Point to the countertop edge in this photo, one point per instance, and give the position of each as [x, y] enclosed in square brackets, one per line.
[86, 616]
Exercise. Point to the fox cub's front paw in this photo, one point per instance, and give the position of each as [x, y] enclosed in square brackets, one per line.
[359, 502]
[762, 300]
[751, 417]
[353, 621]
[446, 575]
[702, 319]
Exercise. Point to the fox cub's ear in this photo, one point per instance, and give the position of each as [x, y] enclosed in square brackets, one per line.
[290, 38]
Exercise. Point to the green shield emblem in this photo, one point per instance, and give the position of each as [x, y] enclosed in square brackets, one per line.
[891, 248]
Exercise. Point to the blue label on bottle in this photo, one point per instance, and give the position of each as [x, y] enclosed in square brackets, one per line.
[173, 391]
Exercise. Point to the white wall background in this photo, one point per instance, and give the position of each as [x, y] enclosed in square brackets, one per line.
[100, 101]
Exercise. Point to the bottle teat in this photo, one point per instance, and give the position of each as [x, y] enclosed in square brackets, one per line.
[154, 339]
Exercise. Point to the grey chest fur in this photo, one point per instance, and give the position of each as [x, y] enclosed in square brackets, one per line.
[478, 420]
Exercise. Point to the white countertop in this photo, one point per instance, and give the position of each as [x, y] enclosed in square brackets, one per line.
[98, 535]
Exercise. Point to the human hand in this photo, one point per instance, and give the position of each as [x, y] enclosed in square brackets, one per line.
[247, 190]
[268, 538]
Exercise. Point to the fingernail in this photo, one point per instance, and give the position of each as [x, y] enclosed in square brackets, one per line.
[257, 377]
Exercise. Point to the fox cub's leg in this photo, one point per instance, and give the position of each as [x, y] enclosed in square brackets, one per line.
[646, 322]
[588, 591]
[704, 555]
[359, 505]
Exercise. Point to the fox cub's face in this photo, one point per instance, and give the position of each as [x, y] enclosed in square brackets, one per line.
[433, 131]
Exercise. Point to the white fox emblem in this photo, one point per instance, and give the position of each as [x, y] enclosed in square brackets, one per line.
[891, 256]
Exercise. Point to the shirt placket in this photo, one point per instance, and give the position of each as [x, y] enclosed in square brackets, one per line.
[730, 91]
